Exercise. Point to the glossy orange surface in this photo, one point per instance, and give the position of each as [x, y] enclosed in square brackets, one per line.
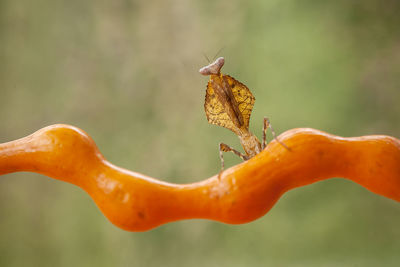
[244, 193]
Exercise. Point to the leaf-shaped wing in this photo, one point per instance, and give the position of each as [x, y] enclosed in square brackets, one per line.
[215, 111]
[244, 99]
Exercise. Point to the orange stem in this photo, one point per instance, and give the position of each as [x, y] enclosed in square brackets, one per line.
[244, 192]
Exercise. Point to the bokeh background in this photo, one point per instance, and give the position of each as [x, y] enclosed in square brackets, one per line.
[127, 73]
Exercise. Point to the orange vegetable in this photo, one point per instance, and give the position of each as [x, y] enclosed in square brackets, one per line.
[244, 192]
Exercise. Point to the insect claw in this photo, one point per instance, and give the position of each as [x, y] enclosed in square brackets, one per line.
[219, 175]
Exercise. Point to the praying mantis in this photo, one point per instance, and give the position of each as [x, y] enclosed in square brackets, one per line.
[229, 103]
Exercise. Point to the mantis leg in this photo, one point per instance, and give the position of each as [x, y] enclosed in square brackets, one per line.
[225, 148]
[267, 124]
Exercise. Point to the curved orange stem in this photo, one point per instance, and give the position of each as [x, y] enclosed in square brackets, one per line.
[244, 192]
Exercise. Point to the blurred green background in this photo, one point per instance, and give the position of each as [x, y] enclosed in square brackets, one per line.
[127, 73]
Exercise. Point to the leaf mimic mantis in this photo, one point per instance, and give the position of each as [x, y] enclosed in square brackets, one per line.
[229, 104]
